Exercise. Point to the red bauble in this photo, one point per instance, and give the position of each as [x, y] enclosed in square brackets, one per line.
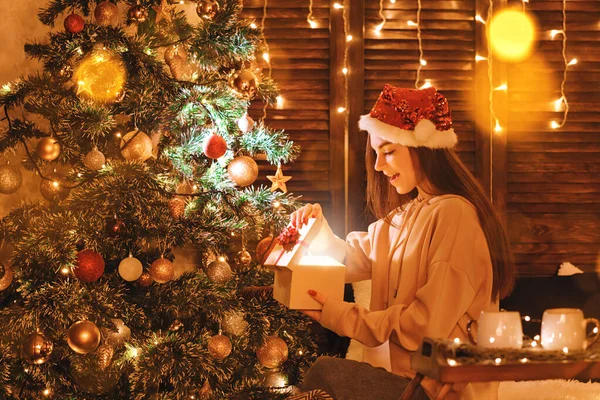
[74, 23]
[90, 266]
[215, 146]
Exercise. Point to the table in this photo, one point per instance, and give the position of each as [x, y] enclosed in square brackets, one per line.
[449, 362]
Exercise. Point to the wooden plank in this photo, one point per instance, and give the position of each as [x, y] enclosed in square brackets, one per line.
[557, 208]
[481, 97]
[545, 270]
[555, 187]
[557, 259]
[552, 228]
[534, 249]
[565, 198]
[543, 167]
[534, 177]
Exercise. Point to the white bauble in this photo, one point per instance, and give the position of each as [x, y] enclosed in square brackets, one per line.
[131, 269]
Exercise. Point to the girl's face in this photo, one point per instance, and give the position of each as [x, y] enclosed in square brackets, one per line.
[396, 164]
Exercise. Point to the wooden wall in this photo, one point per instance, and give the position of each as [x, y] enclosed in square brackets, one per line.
[545, 183]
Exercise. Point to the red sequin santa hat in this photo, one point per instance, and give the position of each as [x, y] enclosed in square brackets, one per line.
[411, 117]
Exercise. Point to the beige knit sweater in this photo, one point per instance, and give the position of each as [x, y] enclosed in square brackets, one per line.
[431, 274]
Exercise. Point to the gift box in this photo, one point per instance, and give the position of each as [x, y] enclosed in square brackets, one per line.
[297, 271]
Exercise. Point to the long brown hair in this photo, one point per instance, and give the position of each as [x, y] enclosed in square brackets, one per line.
[447, 175]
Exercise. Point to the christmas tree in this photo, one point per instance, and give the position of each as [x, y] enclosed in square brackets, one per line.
[139, 131]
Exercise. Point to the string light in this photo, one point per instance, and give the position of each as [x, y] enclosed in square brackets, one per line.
[561, 103]
[451, 362]
[266, 53]
[64, 271]
[498, 360]
[341, 109]
[337, 6]
[379, 26]
[420, 41]
[426, 85]
[456, 340]
[527, 318]
[344, 70]
[253, 25]
[349, 38]
[479, 58]
[479, 19]
[310, 19]
[280, 102]
[503, 87]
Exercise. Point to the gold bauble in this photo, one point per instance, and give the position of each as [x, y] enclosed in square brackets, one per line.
[243, 170]
[145, 280]
[105, 355]
[263, 248]
[234, 324]
[219, 346]
[243, 258]
[219, 271]
[136, 146]
[101, 76]
[244, 83]
[83, 337]
[119, 334]
[162, 270]
[273, 352]
[36, 348]
[7, 278]
[177, 207]
[175, 51]
[207, 9]
[106, 13]
[94, 160]
[54, 188]
[48, 149]
[137, 14]
[11, 179]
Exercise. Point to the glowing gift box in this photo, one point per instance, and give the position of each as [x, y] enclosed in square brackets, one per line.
[296, 271]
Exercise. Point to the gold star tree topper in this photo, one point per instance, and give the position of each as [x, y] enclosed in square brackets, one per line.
[279, 180]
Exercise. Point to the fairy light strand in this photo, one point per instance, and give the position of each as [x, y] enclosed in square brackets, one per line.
[379, 27]
[346, 125]
[493, 120]
[310, 19]
[562, 101]
[266, 55]
[420, 42]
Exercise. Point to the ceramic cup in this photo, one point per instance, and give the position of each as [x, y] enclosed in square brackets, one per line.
[566, 328]
[497, 329]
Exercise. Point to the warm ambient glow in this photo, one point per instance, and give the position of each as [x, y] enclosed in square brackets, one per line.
[512, 34]
[498, 128]
[349, 38]
[344, 70]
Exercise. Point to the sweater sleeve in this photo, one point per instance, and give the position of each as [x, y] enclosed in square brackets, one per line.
[354, 252]
[438, 306]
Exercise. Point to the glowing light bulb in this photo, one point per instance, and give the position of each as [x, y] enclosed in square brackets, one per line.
[451, 362]
[479, 19]
[341, 109]
[524, 360]
[555, 32]
[379, 27]
[479, 58]
[64, 271]
[393, 1]
[503, 87]
[427, 84]
[280, 102]
[55, 184]
[565, 350]
[276, 204]
[527, 318]
[222, 259]
[498, 360]
[498, 128]
[337, 6]
[411, 23]
[344, 70]
[182, 2]
[349, 38]
[558, 104]
[456, 340]
[554, 125]
[572, 62]
[253, 25]
[46, 392]
[118, 134]
[492, 339]
[533, 344]
[312, 23]
[423, 62]
[536, 337]
[266, 57]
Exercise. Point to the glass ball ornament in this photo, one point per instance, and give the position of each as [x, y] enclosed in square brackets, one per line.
[119, 334]
[145, 280]
[219, 271]
[243, 171]
[101, 75]
[264, 248]
[273, 352]
[7, 278]
[131, 269]
[137, 14]
[48, 149]
[36, 348]
[162, 270]
[94, 159]
[244, 84]
[89, 266]
[11, 178]
[219, 347]
[243, 259]
[136, 146]
[74, 23]
[54, 188]
[106, 13]
[234, 324]
[246, 123]
[83, 337]
[207, 9]
[175, 51]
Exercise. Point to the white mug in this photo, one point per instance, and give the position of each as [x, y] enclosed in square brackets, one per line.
[498, 329]
[565, 328]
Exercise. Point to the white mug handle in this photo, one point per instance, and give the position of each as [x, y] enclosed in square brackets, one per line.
[591, 340]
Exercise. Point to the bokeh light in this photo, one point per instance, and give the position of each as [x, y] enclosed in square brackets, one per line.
[511, 34]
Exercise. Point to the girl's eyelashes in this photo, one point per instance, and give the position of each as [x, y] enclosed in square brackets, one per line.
[388, 152]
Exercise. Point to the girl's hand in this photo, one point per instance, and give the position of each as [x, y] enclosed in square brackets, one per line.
[315, 314]
[301, 216]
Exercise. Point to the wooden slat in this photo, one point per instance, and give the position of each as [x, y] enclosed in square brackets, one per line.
[554, 228]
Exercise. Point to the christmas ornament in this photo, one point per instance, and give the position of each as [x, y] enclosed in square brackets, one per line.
[185, 188]
[244, 84]
[204, 392]
[263, 248]
[130, 269]
[7, 278]
[136, 146]
[215, 146]
[74, 23]
[54, 189]
[101, 76]
[66, 72]
[177, 207]
[219, 271]
[89, 266]
[162, 270]
[2, 270]
[83, 337]
[180, 69]
[105, 354]
[243, 258]
[163, 11]
[48, 149]
[219, 346]
[246, 124]
[273, 352]
[145, 280]
[114, 226]
[106, 13]
[11, 178]
[234, 324]
[207, 9]
[279, 180]
[176, 325]
[94, 159]
[36, 348]
[243, 170]
[118, 337]
[137, 14]
[175, 51]
[90, 378]
[277, 382]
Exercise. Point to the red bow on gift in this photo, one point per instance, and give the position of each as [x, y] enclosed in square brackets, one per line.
[288, 237]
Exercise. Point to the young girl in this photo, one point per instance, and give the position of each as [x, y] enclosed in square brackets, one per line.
[437, 257]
